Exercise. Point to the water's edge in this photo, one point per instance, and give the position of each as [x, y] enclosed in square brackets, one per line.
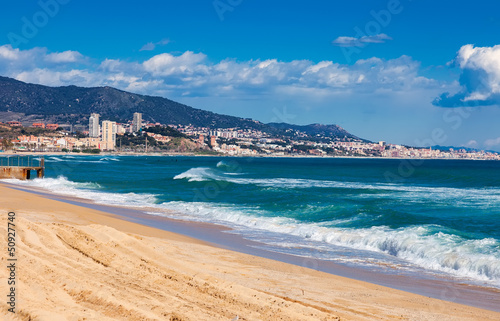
[445, 289]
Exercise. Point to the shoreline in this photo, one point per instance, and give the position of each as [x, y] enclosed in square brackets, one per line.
[107, 218]
[21, 153]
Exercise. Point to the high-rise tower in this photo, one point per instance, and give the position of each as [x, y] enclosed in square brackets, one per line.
[94, 125]
[137, 122]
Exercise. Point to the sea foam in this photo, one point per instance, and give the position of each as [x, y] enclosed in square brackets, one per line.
[86, 190]
[425, 246]
[479, 196]
[429, 246]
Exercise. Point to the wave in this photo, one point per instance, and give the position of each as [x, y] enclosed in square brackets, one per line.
[201, 174]
[229, 166]
[114, 159]
[479, 196]
[428, 246]
[222, 164]
[55, 159]
[198, 174]
[425, 246]
[62, 186]
[82, 159]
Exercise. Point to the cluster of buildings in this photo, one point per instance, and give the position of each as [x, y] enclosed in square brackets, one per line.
[366, 149]
[34, 125]
[236, 141]
[108, 130]
[54, 143]
[219, 132]
[248, 142]
[277, 147]
[398, 151]
[101, 135]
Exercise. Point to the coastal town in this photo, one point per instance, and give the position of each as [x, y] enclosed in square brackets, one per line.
[138, 136]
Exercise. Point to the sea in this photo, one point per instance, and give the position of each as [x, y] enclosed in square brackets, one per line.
[439, 218]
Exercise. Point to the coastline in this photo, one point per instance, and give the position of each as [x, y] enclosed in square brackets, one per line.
[220, 283]
[22, 153]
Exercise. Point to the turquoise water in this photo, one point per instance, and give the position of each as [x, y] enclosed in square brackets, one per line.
[438, 216]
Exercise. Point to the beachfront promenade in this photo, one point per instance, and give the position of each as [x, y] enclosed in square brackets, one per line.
[21, 167]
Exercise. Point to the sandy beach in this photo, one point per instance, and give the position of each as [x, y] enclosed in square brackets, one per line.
[76, 263]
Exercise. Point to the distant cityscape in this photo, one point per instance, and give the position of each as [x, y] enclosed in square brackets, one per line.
[108, 136]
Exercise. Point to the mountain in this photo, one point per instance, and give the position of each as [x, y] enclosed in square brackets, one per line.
[72, 104]
[316, 130]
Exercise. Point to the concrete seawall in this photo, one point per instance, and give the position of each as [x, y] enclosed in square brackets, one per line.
[22, 172]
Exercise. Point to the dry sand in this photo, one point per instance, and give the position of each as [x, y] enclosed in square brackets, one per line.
[76, 263]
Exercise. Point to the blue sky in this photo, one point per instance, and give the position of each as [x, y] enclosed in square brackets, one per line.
[411, 72]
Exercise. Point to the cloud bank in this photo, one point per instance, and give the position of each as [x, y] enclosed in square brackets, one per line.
[193, 74]
[479, 80]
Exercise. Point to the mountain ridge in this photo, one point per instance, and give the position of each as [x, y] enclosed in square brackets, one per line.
[73, 104]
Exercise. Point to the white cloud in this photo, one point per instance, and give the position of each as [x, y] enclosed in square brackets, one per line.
[163, 42]
[360, 42]
[166, 64]
[152, 46]
[480, 78]
[148, 47]
[64, 57]
[14, 61]
[492, 142]
[9, 53]
[58, 78]
[471, 143]
[193, 74]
